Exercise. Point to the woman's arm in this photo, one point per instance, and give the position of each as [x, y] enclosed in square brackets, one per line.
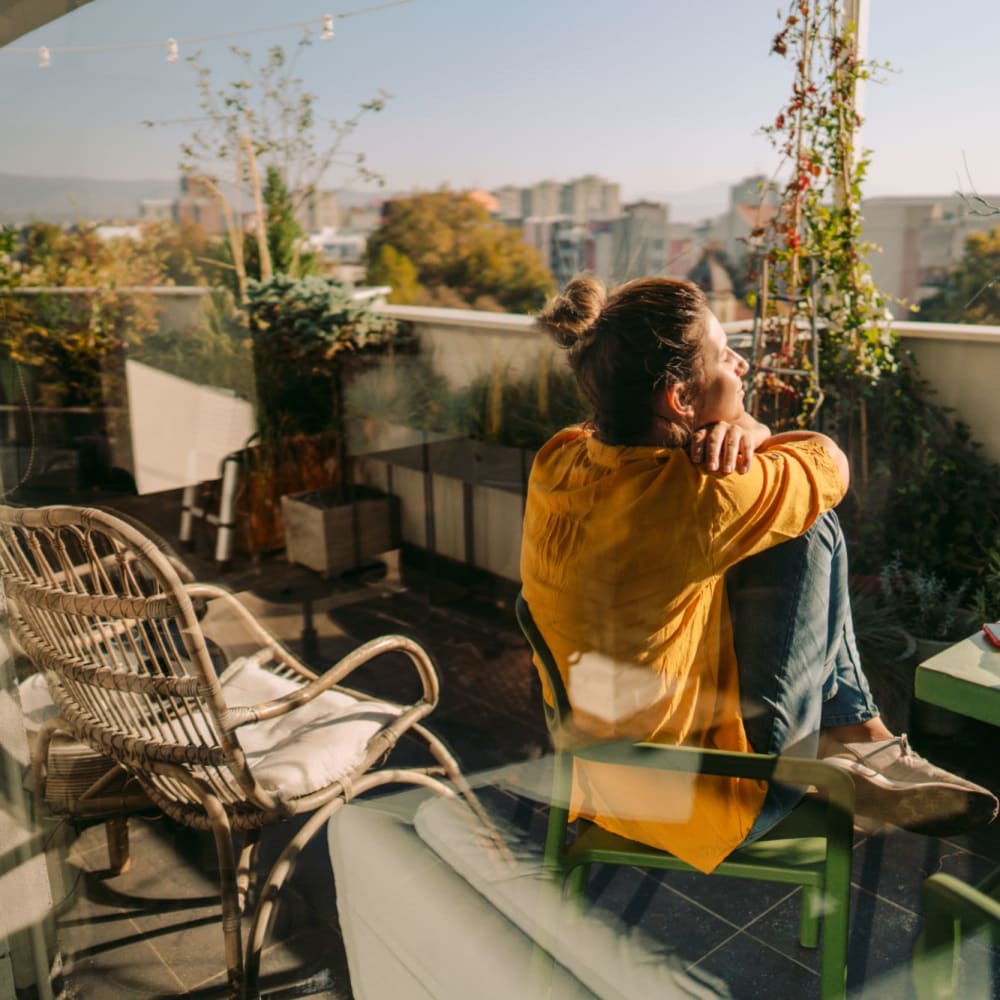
[723, 447]
[831, 446]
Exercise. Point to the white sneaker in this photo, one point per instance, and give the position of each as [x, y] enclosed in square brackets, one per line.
[894, 784]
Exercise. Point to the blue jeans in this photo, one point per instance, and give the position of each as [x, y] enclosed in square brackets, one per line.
[800, 671]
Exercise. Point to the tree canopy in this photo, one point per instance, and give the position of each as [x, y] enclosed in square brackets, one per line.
[443, 248]
[972, 294]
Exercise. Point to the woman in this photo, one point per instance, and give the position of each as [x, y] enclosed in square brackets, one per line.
[687, 570]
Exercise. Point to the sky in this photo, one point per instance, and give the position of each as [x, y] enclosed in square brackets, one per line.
[665, 97]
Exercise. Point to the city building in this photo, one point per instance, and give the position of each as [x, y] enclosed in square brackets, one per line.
[199, 203]
[639, 241]
[920, 239]
[318, 210]
[590, 198]
[543, 199]
[561, 243]
[753, 202]
[586, 199]
[509, 199]
[157, 209]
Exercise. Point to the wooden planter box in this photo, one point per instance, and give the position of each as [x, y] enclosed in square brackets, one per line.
[332, 538]
[460, 499]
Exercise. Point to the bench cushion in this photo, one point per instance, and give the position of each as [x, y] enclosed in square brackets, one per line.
[610, 958]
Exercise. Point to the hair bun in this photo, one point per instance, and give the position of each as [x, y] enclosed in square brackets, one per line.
[571, 315]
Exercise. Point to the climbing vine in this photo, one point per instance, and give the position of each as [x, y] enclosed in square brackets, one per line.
[824, 338]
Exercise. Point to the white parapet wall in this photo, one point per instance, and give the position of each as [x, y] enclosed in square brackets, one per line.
[465, 343]
[962, 364]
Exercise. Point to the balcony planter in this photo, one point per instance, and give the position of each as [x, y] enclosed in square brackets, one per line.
[332, 536]
[460, 499]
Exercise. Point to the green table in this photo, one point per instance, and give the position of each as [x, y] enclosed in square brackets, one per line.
[964, 678]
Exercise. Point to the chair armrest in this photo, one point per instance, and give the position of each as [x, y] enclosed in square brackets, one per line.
[950, 897]
[272, 649]
[363, 654]
[833, 783]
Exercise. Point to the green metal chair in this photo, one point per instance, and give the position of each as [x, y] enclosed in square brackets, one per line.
[811, 847]
[953, 910]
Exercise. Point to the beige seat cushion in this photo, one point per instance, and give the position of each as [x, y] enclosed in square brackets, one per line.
[310, 747]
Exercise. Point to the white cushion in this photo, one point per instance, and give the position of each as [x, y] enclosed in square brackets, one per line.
[414, 929]
[609, 957]
[310, 747]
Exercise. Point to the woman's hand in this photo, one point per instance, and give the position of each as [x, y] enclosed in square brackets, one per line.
[725, 447]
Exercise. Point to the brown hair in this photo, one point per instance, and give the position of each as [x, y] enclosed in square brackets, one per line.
[625, 346]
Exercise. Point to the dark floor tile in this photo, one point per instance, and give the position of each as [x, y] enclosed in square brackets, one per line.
[737, 900]
[311, 962]
[105, 953]
[752, 970]
[639, 899]
[881, 938]
[976, 971]
[130, 969]
[894, 865]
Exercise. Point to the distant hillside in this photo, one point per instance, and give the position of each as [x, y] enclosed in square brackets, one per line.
[24, 198]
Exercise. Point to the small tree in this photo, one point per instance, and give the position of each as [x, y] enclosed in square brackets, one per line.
[462, 256]
[268, 116]
[285, 236]
[972, 292]
[74, 343]
[392, 267]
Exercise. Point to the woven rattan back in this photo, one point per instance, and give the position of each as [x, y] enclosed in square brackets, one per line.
[101, 611]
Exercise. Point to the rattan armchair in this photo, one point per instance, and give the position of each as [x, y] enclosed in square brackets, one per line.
[106, 618]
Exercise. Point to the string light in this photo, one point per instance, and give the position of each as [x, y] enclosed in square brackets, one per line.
[173, 44]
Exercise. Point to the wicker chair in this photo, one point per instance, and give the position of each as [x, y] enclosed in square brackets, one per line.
[103, 613]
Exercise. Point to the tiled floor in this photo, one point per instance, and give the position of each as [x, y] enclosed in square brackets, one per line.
[155, 930]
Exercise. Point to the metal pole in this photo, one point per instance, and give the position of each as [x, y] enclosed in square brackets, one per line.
[855, 12]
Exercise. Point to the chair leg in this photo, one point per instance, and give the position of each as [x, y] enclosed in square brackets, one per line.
[935, 958]
[116, 832]
[225, 851]
[576, 883]
[269, 891]
[809, 913]
[836, 900]
[454, 774]
[285, 864]
[245, 867]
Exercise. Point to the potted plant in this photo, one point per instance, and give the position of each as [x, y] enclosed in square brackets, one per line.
[307, 333]
[986, 600]
[934, 612]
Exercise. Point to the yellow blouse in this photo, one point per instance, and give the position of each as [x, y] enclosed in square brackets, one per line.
[622, 564]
